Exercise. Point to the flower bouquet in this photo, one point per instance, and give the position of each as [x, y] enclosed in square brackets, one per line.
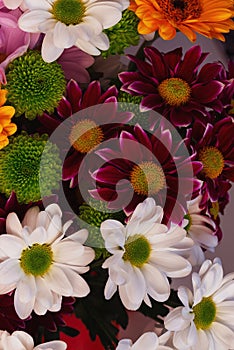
[116, 162]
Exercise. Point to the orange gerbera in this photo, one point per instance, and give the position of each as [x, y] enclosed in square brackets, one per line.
[207, 17]
[6, 127]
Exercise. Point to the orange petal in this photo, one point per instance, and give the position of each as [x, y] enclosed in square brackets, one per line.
[10, 129]
[3, 97]
[7, 112]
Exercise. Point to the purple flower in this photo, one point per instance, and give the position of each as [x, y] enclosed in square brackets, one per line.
[147, 165]
[173, 86]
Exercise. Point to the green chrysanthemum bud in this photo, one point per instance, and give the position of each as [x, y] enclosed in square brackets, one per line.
[91, 216]
[24, 170]
[33, 85]
[123, 34]
[131, 103]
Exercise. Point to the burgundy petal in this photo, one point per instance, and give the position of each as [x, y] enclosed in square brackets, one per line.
[207, 92]
[208, 72]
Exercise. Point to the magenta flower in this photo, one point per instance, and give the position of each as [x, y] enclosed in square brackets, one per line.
[84, 133]
[13, 43]
[173, 86]
[157, 169]
[214, 147]
[74, 63]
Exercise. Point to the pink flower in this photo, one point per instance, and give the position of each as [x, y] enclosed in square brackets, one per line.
[74, 63]
[13, 41]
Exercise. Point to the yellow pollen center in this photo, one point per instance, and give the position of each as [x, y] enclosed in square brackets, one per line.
[174, 91]
[69, 12]
[147, 178]
[177, 11]
[86, 135]
[205, 313]
[137, 250]
[212, 160]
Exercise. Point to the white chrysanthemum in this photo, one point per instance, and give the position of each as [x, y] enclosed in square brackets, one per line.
[206, 321]
[201, 229]
[40, 264]
[72, 22]
[148, 341]
[144, 254]
[20, 340]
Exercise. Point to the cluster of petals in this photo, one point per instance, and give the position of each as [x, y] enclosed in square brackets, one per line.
[201, 229]
[209, 284]
[20, 340]
[87, 34]
[148, 340]
[7, 128]
[136, 283]
[42, 292]
[200, 88]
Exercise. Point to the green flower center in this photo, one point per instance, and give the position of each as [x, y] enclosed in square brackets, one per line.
[37, 259]
[137, 250]
[175, 91]
[212, 160]
[205, 313]
[34, 86]
[215, 209]
[30, 166]
[68, 11]
[147, 178]
[86, 135]
[188, 217]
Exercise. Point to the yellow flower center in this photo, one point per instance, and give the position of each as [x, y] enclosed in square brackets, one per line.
[147, 178]
[174, 91]
[137, 250]
[205, 313]
[36, 260]
[68, 11]
[176, 11]
[86, 135]
[212, 160]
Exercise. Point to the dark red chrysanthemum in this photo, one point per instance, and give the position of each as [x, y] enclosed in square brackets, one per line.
[214, 146]
[86, 130]
[173, 86]
[147, 165]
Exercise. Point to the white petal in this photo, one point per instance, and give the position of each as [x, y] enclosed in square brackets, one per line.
[166, 240]
[175, 321]
[12, 4]
[10, 272]
[52, 345]
[79, 236]
[108, 16]
[133, 292]
[63, 38]
[12, 246]
[53, 209]
[202, 340]
[212, 280]
[26, 289]
[49, 51]
[68, 252]
[186, 337]
[101, 41]
[13, 225]
[157, 283]
[30, 21]
[44, 297]
[147, 341]
[39, 235]
[110, 289]
[24, 309]
[225, 292]
[87, 47]
[30, 218]
[222, 334]
[24, 338]
[172, 264]
[58, 281]
[185, 296]
[79, 285]
[39, 4]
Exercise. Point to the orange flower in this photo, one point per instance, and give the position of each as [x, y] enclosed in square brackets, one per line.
[6, 127]
[207, 17]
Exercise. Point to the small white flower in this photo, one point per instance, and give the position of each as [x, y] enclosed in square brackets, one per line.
[19, 340]
[72, 22]
[40, 264]
[201, 229]
[147, 341]
[144, 254]
[206, 321]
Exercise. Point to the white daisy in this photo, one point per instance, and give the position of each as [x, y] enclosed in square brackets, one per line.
[20, 340]
[40, 264]
[148, 341]
[144, 254]
[72, 22]
[201, 228]
[206, 321]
